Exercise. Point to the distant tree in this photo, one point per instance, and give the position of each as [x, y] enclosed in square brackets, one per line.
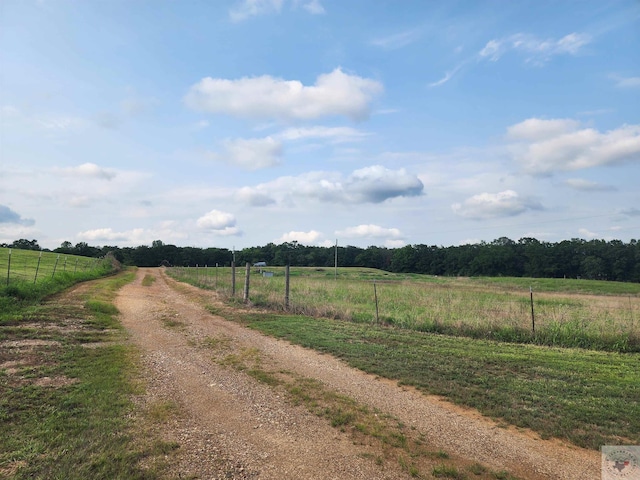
[24, 244]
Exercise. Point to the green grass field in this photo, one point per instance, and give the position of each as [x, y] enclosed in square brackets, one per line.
[569, 313]
[32, 266]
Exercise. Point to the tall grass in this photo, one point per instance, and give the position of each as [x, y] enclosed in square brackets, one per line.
[567, 313]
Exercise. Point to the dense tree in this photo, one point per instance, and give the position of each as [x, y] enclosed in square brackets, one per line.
[24, 244]
[528, 257]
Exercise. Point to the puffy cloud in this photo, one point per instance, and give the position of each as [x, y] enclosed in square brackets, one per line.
[376, 184]
[335, 93]
[87, 170]
[369, 231]
[368, 185]
[540, 129]
[9, 216]
[250, 154]
[491, 205]
[545, 146]
[216, 220]
[586, 185]
[219, 223]
[300, 237]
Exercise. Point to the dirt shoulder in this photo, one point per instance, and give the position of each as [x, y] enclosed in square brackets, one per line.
[227, 424]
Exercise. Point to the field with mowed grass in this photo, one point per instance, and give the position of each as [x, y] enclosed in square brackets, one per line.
[469, 340]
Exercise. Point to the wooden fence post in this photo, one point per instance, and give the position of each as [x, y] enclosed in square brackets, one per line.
[35, 278]
[533, 318]
[55, 266]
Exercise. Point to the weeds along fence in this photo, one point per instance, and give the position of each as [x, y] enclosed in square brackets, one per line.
[447, 306]
[36, 266]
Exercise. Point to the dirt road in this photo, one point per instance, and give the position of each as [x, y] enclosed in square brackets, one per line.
[230, 425]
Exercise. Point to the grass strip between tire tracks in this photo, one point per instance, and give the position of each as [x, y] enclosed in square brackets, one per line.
[65, 391]
[587, 397]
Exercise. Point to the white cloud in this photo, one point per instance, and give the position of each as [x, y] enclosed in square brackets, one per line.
[539, 129]
[537, 51]
[490, 205]
[305, 238]
[397, 40]
[335, 93]
[369, 231]
[368, 185]
[625, 82]
[555, 145]
[252, 8]
[376, 184]
[250, 154]
[333, 134]
[108, 235]
[87, 170]
[314, 7]
[218, 223]
[254, 197]
[133, 237]
[587, 234]
[586, 185]
[493, 50]
[447, 76]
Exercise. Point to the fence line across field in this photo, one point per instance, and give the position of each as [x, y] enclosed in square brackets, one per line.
[417, 305]
[27, 266]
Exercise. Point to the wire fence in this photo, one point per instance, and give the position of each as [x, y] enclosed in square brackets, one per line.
[448, 306]
[35, 266]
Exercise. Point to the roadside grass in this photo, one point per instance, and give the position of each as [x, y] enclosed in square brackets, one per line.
[65, 408]
[382, 437]
[588, 314]
[589, 398]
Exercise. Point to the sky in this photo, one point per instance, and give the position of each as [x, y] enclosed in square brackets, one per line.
[237, 123]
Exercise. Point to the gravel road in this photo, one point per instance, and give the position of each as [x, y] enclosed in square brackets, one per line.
[229, 425]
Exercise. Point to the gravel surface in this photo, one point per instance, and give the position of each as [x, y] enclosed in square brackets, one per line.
[229, 425]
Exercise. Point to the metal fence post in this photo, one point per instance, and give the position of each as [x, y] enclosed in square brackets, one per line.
[247, 274]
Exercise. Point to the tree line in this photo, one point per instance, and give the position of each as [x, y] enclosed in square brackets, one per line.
[527, 257]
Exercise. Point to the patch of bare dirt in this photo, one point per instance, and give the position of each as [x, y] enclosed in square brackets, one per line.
[228, 425]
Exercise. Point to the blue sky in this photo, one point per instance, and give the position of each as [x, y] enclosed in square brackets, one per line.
[371, 122]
